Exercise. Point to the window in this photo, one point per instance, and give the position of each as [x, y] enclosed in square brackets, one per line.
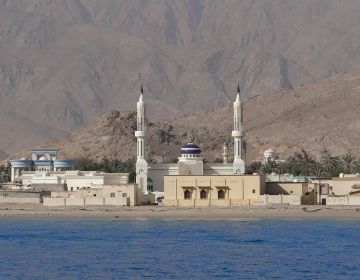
[221, 194]
[187, 194]
[71, 188]
[124, 195]
[203, 194]
[254, 191]
[112, 194]
[94, 194]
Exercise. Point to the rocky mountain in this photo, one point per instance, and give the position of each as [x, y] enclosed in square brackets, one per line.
[63, 63]
[312, 117]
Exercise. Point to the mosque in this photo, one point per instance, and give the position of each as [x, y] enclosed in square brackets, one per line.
[151, 176]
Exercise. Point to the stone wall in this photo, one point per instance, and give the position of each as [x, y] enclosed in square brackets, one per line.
[48, 187]
[262, 200]
[343, 200]
[87, 201]
[20, 197]
[279, 199]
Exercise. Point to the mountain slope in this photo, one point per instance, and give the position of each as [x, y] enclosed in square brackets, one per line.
[313, 117]
[64, 63]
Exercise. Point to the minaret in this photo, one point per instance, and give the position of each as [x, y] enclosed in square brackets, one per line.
[225, 154]
[140, 134]
[238, 133]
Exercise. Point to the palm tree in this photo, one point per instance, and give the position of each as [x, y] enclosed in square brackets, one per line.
[255, 167]
[5, 173]
[331, 164]
[269, 167]
[349, 163]
[300, 163]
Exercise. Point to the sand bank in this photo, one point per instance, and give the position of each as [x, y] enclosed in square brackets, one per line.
[39, 211]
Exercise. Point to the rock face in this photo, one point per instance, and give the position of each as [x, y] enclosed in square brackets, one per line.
[313, 117]
[64, 63]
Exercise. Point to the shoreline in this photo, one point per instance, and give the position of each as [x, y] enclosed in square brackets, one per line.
[15, 211]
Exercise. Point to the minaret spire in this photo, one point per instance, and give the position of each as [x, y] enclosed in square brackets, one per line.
[238, 134]
[238, 93]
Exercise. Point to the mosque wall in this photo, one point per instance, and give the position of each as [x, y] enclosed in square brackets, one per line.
[157, 173]
[218, 169]
[218, 190]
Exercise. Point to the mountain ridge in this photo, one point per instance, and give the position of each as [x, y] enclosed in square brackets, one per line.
[64, 63]
[313, 117]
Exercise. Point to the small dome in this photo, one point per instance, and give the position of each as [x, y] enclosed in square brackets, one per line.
[190, 148]
[43, 158]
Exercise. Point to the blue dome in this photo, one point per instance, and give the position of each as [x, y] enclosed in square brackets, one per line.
[190, 148]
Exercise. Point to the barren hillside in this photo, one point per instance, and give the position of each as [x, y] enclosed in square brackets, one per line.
[64, 63]
[321, 115]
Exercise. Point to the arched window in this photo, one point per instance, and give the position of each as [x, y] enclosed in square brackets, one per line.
[203, 194]
[187, 194]
[221, 194]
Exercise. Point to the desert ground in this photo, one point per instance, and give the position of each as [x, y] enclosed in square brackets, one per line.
[149, 212]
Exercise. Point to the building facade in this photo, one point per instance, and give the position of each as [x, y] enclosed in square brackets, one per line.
[213, 190]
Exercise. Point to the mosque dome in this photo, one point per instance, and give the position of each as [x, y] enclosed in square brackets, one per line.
[43, 158]
[270, 154]
[190, 148]
[270, 150]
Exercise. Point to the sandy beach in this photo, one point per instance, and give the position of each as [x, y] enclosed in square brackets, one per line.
[145, 212]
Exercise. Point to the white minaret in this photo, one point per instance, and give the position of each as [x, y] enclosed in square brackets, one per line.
[238, 133]
[225, 154]
[140, 134]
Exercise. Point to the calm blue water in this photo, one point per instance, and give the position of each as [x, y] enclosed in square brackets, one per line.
[165, 249]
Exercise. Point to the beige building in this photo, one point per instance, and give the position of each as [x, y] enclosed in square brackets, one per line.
[117, 195]
[342, 190]
[216, 190]
[306, 192]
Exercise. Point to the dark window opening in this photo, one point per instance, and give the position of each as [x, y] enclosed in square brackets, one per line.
[203, 194]
[221, 194]
[187, 194]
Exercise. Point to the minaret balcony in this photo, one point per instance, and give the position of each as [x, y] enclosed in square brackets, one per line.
[139, 133]
[237, 133]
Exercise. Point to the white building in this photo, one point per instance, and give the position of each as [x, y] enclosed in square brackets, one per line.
[42, 159]
[71, 180]
[76, 187]
[191, 161]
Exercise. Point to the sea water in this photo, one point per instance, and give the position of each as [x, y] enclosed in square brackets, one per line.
[179, 249]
